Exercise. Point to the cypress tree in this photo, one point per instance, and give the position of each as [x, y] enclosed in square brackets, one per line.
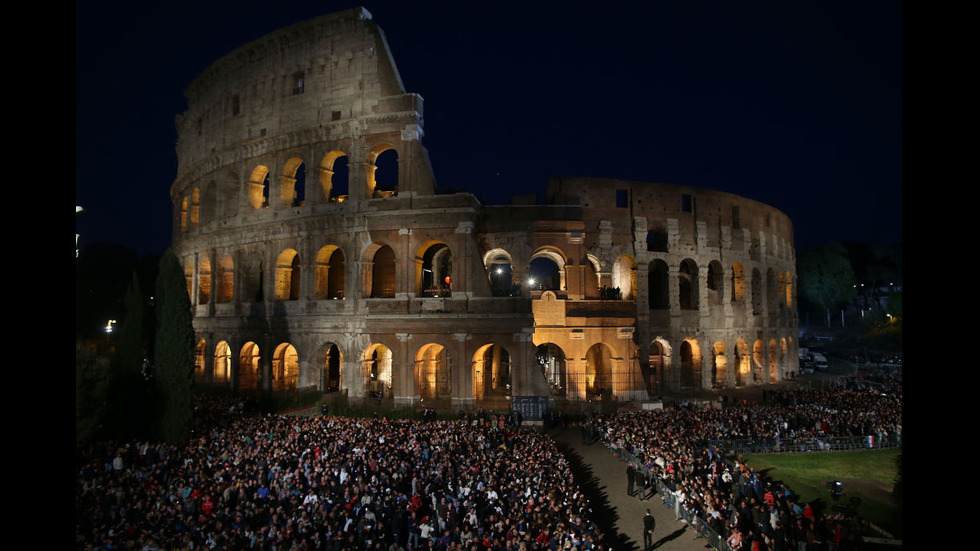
[174, 352]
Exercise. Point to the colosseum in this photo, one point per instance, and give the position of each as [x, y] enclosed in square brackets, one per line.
[319, 255]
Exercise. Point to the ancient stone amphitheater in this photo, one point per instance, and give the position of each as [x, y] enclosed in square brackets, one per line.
[319, 255]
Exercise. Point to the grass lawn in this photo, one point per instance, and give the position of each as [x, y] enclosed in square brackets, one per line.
[868, 475]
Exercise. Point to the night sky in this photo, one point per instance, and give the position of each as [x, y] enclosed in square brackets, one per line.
[794, 104]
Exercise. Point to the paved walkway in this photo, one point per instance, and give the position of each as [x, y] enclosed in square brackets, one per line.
[602, 478]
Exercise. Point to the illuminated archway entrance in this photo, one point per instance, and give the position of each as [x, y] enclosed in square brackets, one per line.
[491, 373]
[598, 372]
[249, 374]
[376, 370]
[285, 368]
[432, 373]
[551, 359]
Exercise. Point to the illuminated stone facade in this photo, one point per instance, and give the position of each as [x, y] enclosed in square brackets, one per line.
[318, 254]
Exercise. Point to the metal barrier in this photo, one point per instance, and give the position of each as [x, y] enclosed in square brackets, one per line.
[809, 444]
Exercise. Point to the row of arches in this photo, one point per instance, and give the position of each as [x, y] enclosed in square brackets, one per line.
[377, 372]
[329, 182]
[432, 272]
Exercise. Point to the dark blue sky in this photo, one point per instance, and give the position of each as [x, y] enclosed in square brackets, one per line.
[795, 104]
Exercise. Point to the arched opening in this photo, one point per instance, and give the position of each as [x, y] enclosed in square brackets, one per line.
[756, 292]
[183, 213]
[789, 290]
[434, 270]
[226, 279]
[383, 273]
[551, 359]
[376, 366]
[194, 212]
[382, 172]
[598, 372]
[716, 283]
[657, 239]
[432, 372]
[590, 287]
[285, 368]
[287, 275]
[624, 278]
[204, 282]
[328, 273]
[687, 278]
[690, 365]
[491, 372]
[199, 361]
[500, 273]
[658, 285]
[258, 187]
[334, 176]
[222, 362]
[293, 189]
[544, 274]
[719, 365]
[744, 361]
[249, 373]
[333, 369]
[738, 283]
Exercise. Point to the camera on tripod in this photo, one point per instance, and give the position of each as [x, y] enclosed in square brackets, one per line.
[836, 488]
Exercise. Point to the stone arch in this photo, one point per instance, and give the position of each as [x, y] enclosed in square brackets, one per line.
[285, 367]
[199, 349]
[189, 277]
[499, 266]
[756, 292]
[433, 269]
[657, 238]
[376, 370]
[758, 361]
[252, 278]
[204, 281]
[719, 365]
[546, 270]
[716, 283]
[433, 377]
[184, 201]
[226, 279]
[258, 187]
[624, 277]
[334, 176]
[194, 209]
[551, 359]
[788, 282]
[380, 269]
[292, 190]
[687, 280]
[690, 364]
[658, 280]
[331, 358]
[382, 160]
[598, 372]
[659, 361]
[222, 362]
[743, 361]
[287, 275]
[491, 372]
[738, 283]
[249, 367]
[328, 273]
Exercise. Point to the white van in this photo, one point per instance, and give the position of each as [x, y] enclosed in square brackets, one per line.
[820, 362]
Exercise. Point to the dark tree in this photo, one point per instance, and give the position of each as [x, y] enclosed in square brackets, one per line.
[129, 415]
[826, 276]
[174, 352]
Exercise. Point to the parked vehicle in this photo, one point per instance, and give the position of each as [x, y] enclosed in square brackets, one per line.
[820, 362]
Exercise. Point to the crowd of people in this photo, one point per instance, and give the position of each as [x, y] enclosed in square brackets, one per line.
[274, 482]
[277, 482]
[730, 497]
